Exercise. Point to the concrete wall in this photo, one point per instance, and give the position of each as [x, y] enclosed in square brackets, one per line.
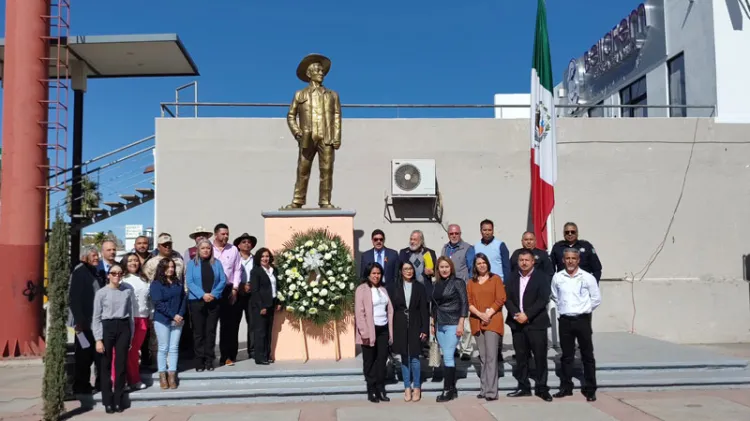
[619, 179]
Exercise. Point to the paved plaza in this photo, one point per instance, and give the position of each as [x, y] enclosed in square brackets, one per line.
[693, 405]
[20, 400]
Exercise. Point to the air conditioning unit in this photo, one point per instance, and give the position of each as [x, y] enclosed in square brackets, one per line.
[413, 178]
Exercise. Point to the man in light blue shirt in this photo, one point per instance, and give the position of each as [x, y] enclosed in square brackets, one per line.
[495, 250]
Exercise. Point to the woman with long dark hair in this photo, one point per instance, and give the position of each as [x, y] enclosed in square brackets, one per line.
[205, 279]
[411, 323]
[263, 303]
[114, 306]
[486, 299]
[169, 300]
[373, 330]
[449, 309]
[135, 280]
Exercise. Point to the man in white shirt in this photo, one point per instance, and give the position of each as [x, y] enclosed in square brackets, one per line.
[576, 294]
[245, 243]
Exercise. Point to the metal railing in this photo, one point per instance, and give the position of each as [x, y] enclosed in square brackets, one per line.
[166, 110]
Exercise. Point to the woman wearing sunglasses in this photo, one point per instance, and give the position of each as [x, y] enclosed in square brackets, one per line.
[114, 307]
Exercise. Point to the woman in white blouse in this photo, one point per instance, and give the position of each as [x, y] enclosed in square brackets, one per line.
[263, 303]
[135, 280]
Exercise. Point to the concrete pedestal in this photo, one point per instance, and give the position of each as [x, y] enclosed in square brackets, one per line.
[293, 339]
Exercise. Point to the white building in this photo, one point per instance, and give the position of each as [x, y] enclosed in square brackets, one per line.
[134, 231]
[666, 52]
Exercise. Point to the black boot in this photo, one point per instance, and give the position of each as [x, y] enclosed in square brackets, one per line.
[381, 393]
[449, 385]
[371, 395]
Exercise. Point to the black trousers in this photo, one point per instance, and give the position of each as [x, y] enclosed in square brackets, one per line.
[374, 358]
[84, 358]
[116, 337]
[527, 344]
[146, 357]
[572, 329]
[204, 317]
[247, 309]
[262, 331]
[229, 316]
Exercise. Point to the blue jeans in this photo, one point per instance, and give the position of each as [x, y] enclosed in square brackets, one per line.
[168, 338]
[411, 370]
[447, 339]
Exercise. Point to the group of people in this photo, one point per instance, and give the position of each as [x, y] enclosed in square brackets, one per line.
[412, 300]
[123, 311]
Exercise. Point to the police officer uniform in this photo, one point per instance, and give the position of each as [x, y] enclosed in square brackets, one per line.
[589, 259]
[542, 262]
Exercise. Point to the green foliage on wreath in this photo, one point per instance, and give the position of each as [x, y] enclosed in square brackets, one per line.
[317, 277]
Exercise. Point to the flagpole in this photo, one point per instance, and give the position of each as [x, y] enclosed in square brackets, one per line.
[551, 230]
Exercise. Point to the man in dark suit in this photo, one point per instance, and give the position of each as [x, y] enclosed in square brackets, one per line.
[542, 260]
[388, 258]
[528, 292]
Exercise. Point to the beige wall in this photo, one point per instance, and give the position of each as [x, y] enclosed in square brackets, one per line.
[619, 179]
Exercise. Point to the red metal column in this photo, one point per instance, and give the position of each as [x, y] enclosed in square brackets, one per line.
[24, 156]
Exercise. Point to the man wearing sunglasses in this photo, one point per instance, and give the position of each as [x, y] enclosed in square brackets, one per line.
[589, 260]
[379, 253]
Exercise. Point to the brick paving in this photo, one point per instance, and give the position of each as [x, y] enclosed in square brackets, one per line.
[21, 385]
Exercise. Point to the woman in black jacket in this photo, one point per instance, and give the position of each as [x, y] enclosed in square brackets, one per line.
[411, 321]
[263, 302]
[449, 307]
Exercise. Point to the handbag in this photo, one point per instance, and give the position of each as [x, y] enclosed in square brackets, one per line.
[434, 358]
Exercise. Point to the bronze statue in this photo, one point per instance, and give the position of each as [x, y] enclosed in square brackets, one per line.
[318, 131]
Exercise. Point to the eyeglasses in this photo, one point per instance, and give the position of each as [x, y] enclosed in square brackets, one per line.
[378, 239]
[454, 233]
[570, 232]
[116, 274]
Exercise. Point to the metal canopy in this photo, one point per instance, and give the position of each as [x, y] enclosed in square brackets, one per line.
[118, 56]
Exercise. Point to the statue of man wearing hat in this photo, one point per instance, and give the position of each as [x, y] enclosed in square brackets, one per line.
[318, 130]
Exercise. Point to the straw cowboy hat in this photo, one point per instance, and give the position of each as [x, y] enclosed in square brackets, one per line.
[310, 59]
[199, 230]
[245, 236]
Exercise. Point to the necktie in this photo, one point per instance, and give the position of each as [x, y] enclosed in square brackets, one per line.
[380, 258]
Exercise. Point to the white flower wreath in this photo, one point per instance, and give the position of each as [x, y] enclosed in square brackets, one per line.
[317, 277]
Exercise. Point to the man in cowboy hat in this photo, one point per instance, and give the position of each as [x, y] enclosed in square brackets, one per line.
[197, 235]
[245, 243]
[318, 130]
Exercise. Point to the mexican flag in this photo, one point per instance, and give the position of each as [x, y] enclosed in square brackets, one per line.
[543, 130]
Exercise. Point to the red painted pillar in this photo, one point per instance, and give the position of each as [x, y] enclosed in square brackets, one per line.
[22, 202]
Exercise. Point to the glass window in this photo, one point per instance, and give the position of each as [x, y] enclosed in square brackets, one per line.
[635, 94]
[677, 85]
[597, 111]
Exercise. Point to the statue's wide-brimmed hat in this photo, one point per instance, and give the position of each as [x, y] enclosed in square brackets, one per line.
[310, 59]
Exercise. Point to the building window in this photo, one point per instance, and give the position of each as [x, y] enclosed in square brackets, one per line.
[676, 68]
[634, 94]
[597, 111]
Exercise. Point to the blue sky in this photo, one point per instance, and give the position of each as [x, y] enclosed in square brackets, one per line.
[389, 51]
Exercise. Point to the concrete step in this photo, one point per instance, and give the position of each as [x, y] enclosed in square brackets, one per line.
[215, 390]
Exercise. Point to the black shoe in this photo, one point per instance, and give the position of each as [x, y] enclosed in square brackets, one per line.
[491, 399]
[210, 366]
[200, 368]
[261, 363]
[371, 395]
[118, 408]
[480, 396]
[562, 394]
[591, 397]
[545, 396]
[445, 396]
[109, 409]
[518, 393]
[381, 394]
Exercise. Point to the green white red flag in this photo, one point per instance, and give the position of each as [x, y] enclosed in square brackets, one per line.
[543, 131]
